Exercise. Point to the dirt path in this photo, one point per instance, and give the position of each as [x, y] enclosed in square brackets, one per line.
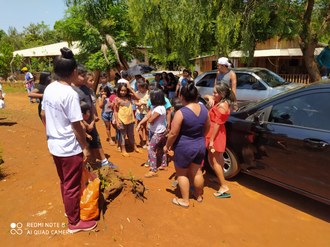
[258, 214]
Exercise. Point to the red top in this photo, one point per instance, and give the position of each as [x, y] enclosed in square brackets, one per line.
[216, 117]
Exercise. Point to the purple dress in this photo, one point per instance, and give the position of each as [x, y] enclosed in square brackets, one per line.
[189, 146]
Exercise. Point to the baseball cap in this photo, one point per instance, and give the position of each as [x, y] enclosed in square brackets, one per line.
[24, 69]
[223, 61]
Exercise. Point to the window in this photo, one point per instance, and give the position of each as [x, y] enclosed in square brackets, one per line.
[311, 111]
[245, 81]
[207, 80]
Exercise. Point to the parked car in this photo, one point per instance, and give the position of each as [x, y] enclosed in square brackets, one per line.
[253, 84]
[284, 140]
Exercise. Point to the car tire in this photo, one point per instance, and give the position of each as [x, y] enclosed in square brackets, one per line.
[231, 167]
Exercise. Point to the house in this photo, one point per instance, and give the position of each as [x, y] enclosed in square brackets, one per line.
[284, 57]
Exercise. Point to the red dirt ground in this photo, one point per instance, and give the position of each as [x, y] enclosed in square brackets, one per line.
[258, 214]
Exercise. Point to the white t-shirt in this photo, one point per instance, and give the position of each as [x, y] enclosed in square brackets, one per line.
[159, 125]
[62, 107]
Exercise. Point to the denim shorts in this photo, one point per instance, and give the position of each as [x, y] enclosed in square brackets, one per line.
[107, 116]
[139, 116]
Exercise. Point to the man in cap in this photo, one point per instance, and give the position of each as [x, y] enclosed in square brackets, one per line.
[226, 75]
[324, 61]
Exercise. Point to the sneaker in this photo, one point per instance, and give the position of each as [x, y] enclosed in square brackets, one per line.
[82, 226]
[108, 163]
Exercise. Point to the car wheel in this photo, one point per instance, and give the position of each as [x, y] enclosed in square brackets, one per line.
[231, 167]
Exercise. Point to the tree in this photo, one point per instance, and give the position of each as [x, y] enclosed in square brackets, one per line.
[100, 25]
[172, 28]
[306, 19]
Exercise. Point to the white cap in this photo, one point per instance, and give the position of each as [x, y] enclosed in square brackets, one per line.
[223, 61]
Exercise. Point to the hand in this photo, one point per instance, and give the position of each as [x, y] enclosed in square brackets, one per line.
[210, 101]
[86, 154]
[165, 149]
[138, 127]
[96, 118]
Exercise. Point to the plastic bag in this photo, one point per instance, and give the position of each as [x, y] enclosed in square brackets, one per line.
[90, 186]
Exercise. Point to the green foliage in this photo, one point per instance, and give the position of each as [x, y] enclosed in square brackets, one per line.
[93, 22]
[6, 53]
[172, 28]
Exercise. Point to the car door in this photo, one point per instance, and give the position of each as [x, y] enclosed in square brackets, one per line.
[206, 83]
[293, 145]
[249, 88]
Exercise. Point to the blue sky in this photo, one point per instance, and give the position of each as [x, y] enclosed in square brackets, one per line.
[21, 13]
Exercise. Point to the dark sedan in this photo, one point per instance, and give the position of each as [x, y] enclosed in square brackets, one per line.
[284, 140]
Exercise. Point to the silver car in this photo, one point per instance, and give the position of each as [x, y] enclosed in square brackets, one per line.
[253, 84]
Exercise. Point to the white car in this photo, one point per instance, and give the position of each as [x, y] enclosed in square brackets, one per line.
[253, 84]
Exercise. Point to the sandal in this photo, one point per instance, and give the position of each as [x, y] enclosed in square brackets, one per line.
[176, 201]
[222, 195]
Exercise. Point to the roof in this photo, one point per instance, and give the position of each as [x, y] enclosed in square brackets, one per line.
[48, 50]
[290, 52]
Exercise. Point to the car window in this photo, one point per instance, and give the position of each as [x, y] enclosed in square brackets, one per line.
[245, 81]
[308, 111]
[269, 77]
[207, 80]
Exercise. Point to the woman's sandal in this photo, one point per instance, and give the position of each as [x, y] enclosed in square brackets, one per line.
[224, 194]
[176, 201]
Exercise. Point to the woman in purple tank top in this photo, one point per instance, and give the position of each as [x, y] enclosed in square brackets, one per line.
[187, 140]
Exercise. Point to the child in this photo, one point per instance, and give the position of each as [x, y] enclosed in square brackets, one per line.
[86, 112]
[124, 116]
[112, 99]
[107, 111]
[142, 110]
[157, 119]
[90, 84]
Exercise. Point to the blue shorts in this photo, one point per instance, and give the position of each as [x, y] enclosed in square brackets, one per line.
[139, 116]
[107, 116]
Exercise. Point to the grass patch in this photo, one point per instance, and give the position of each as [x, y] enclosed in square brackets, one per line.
[17, 87]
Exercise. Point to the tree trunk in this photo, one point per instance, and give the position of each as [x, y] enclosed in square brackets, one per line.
[310, 63]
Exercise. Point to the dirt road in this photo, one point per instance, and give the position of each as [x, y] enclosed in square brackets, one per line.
[31, 209]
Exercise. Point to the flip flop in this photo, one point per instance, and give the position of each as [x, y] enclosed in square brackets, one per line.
[222, 195]
[175, 201]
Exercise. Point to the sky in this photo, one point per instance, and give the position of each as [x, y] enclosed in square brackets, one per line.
[21, 13]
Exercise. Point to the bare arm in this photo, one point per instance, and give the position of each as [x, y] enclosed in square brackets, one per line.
[35, 94]
[233, 80]
[81, 137]
[168, 118]
[175, 130]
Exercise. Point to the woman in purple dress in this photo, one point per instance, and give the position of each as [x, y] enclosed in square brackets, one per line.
[187, 140]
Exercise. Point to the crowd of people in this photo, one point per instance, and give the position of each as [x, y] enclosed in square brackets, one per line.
[165, 113]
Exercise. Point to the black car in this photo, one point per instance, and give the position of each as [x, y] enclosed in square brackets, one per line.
[284, 140]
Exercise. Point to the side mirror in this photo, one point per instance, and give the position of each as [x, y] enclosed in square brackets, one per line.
[258, 118]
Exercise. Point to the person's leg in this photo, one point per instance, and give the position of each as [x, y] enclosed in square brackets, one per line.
[160, 150]
[217, 163]
[69, 170]
[196, 176]
[107, 129]
[131, 138]
[183, 181]
[122, 141]
[152, 158]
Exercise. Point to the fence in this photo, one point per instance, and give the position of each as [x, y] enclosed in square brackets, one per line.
[299, 78]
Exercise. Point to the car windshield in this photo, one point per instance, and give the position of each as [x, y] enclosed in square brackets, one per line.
[272, 79]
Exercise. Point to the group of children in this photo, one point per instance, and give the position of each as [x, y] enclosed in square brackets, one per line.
[148, 109]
